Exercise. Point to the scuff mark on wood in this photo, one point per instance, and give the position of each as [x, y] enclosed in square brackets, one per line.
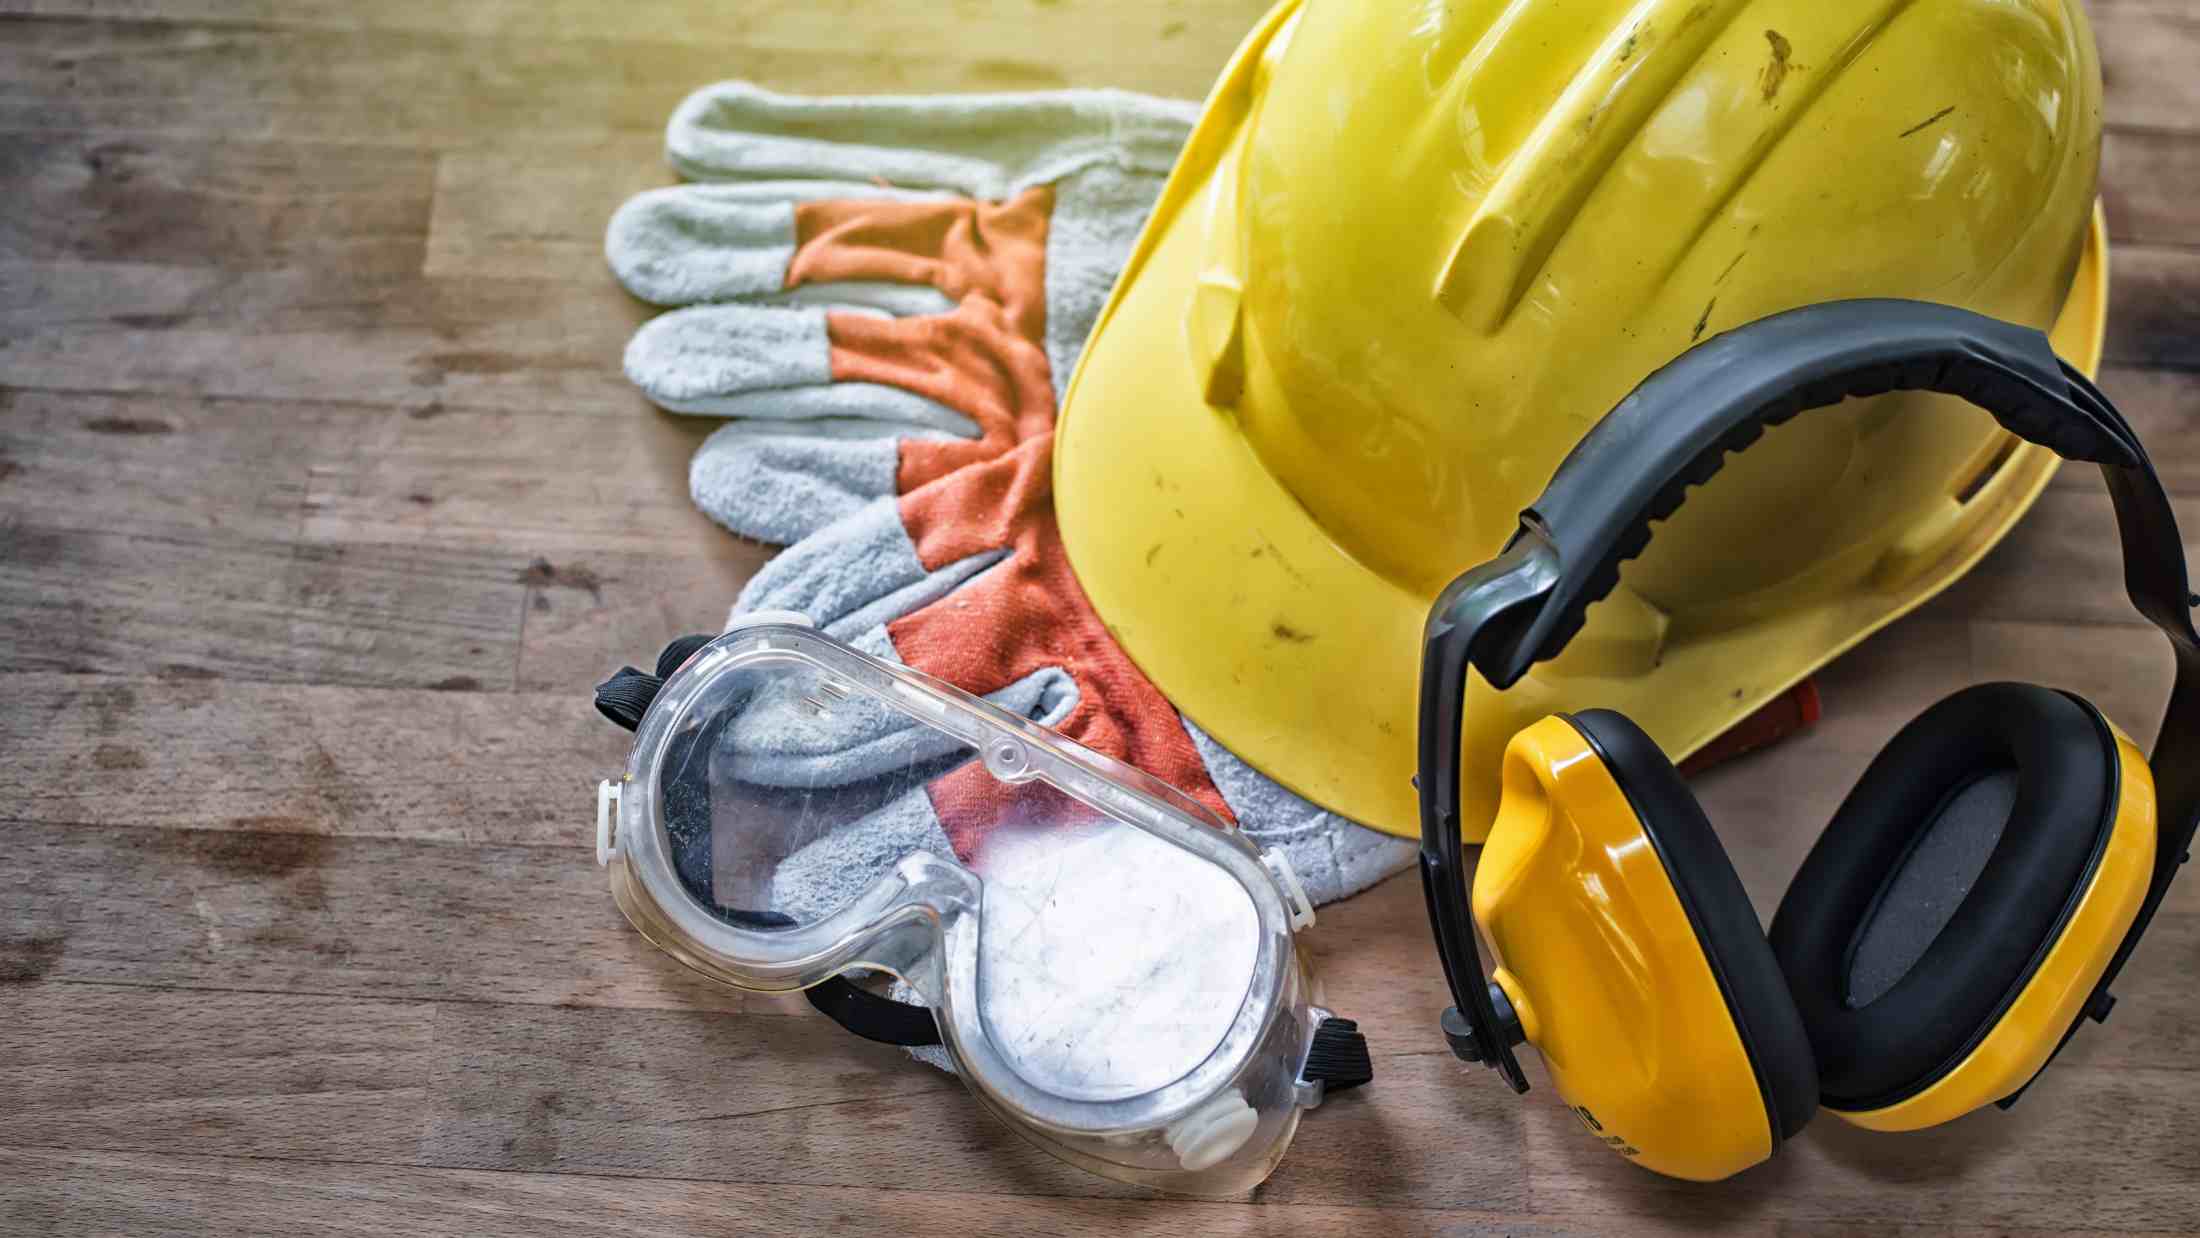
[28, 960]
[117, 757]
[543, 574]
[148, 322]
[249, 854]
[129, 425]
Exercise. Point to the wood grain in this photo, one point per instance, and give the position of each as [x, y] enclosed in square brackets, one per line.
[188, 750]
[323, 503]
[1152, 45]
[705, 1097]
[213, 202]
[85, 1193]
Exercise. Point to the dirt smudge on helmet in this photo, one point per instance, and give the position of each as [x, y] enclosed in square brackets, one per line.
[1776, 69]
[1270, 548]
[1928, 122]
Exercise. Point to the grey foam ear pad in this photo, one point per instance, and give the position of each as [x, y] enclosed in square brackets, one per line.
[1906, 838]
[1719, 909]
[1923, 894]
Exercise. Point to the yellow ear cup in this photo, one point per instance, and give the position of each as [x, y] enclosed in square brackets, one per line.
[1609, 975]
[1976, 995]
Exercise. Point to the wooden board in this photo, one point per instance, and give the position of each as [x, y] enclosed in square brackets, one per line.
[323, 503]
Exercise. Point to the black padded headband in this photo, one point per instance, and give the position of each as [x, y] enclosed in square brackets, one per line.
[1674, 431]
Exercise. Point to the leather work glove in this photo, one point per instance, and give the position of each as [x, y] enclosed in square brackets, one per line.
[884, 296]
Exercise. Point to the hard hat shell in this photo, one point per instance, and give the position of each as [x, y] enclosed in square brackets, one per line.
[1413, 252]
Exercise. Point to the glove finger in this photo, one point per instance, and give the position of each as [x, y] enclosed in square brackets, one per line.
[858, 573]
[780, 482]
[983, 146]
[938, 371]
[713, 351]
[698, 244]
[779, 361]
[961, 375]
[690, 244]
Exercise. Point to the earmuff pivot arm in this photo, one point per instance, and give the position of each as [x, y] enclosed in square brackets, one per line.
[1477, 621]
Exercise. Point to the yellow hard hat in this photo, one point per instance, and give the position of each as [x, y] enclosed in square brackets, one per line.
[1414, 251]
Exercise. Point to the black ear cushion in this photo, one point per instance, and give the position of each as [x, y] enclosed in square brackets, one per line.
[1733, 942]
[2066, 776]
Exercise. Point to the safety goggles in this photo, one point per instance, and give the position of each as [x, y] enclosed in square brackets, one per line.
[1110, 968]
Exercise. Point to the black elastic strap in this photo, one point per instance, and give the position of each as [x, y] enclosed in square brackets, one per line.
[1338, 1059]
[625, 698]
[873, 1017]
[1674, 431]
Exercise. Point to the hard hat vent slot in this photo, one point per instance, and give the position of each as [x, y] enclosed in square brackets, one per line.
[1987, 472]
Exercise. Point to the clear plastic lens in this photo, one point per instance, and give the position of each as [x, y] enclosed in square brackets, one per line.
[1097, 936]
[785, 793]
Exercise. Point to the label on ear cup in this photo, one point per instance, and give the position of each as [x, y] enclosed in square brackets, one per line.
[1614, 1142]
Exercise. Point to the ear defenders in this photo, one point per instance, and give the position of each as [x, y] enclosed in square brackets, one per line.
[1965, 910]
